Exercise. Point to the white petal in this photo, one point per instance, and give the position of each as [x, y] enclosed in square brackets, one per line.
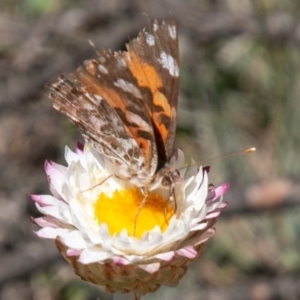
[59, 212]
[74, 240]
[45, 200]
[91, 255]
[46, 221]
[150, 268]
[166, 256]
[70, 156]
[205, 236]
[199, 226]
[189, 252]
[51, 233]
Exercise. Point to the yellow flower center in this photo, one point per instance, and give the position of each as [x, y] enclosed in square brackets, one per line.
[123, 210]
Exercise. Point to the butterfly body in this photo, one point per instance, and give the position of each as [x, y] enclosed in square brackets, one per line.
[125, 104]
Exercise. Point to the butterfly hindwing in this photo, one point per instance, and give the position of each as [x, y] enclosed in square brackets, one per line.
[98, 122]
[109, 77]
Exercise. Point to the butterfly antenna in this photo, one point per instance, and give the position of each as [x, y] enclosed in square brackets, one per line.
[245, 151]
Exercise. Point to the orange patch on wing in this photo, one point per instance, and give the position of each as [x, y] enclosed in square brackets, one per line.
[95, 88]
[147, 76]
[116, 101]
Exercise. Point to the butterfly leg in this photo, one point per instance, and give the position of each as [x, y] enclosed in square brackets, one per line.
[101, 182]
[169, 180]
[172, 198]
[145, 194]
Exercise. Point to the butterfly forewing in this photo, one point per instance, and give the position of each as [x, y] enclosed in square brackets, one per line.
[124, 103]
[154, 60]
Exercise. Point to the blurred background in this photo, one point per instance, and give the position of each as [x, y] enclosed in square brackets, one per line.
[240, 87]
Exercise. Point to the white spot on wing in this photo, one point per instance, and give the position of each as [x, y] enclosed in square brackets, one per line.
[94, 98]
[89, 96]
[102, 69]
[95, 121]
[122, 62]
[150, 40]
[98, 99]
[168, 62]
[134, 118]
[128, 87]
[88, 106]
[155, 27]
[102, 59]
[172, 31]
[126, 145]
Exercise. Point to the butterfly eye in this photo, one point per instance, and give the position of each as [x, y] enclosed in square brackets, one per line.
[170, 178]
[166, 180]
[176, 176]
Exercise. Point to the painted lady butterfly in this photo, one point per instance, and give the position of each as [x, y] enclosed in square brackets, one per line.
[124, 104]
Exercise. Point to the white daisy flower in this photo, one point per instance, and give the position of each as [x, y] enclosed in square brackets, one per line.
[102, 230]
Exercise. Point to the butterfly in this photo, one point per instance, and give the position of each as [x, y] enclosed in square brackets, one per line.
[125, 103]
